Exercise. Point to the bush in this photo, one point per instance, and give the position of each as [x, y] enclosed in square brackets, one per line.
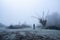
[53, 27]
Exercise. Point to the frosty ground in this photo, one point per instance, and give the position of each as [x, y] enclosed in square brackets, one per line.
[29, 34]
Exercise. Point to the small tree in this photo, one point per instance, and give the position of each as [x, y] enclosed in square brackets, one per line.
[11, 26]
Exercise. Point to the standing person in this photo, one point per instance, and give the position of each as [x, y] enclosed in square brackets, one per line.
[34, 26]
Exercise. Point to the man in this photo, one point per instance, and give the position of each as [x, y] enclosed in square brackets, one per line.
[34, 26]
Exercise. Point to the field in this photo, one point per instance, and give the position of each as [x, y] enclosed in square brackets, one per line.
[29, 34]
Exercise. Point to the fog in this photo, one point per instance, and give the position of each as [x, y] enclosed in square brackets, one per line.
[21, 11]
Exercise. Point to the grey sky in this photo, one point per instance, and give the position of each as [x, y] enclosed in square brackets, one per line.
[14, 11]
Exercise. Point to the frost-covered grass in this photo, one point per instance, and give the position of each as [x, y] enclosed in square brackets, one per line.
[29, 34]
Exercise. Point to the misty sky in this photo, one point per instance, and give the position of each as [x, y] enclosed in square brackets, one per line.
[15, 11]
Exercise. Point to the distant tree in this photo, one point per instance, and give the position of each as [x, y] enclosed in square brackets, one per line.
[2, 25]
[55, 17]
[53, 27]
[11, 26]
[25, 26]
[53, 21]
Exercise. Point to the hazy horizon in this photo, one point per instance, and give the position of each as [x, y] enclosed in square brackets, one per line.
[15, 11]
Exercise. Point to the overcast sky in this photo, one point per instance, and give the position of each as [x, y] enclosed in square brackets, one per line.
[15, 11]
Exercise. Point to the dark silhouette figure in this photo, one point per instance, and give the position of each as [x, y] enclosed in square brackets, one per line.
[34, 26]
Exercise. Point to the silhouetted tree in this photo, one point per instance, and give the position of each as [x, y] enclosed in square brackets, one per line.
[11, 27]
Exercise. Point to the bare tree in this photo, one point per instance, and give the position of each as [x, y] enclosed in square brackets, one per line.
[42, 20]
